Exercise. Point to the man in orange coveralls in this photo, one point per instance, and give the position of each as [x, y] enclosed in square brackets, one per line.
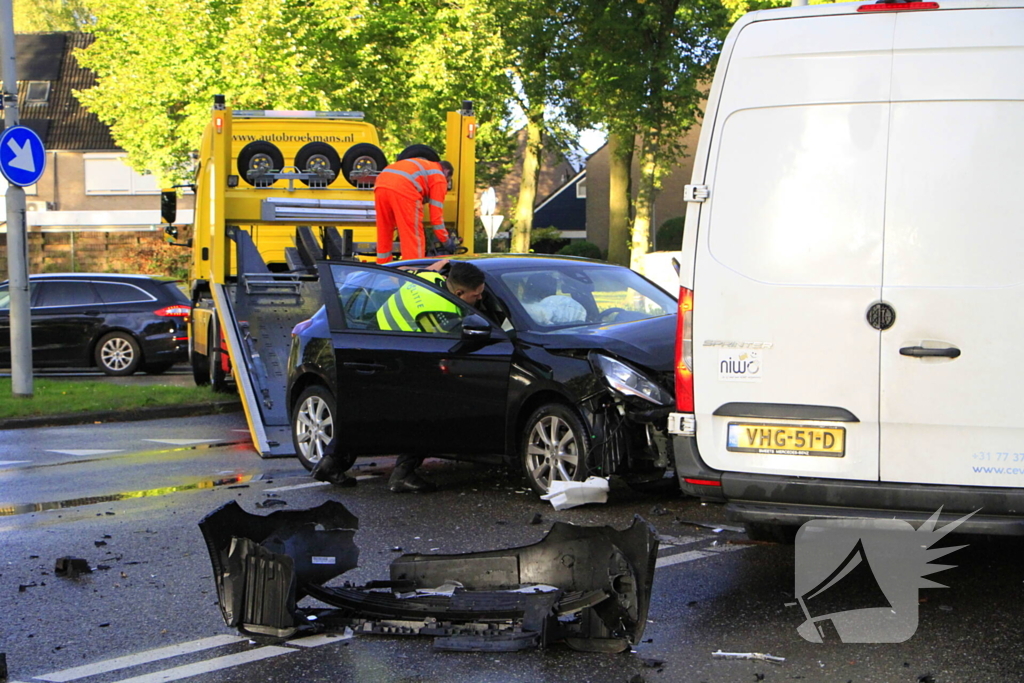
[417, 176]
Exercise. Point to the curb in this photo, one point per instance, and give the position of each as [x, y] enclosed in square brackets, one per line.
[152, 413]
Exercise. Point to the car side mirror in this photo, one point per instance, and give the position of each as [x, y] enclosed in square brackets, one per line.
[169, 206]
[475, 328]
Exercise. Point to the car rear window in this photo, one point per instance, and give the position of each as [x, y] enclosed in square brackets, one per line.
[174, 290]
[121, 293]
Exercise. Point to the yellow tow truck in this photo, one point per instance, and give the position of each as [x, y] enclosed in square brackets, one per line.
[277, 192]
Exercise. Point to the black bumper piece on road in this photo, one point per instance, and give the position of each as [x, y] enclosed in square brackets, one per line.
[589, 587]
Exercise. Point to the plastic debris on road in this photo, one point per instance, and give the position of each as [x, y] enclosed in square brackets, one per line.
[569, 494]
[749, 655]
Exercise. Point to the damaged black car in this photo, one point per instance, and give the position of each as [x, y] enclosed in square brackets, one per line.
[564, 369]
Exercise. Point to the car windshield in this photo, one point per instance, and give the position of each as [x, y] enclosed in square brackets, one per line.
[574, 295]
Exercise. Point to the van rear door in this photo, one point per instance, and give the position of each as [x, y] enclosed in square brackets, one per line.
[954, 237]
[789, 250]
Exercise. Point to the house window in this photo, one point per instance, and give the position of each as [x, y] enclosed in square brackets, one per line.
[581, 189]
[38, 92]
[107, 174]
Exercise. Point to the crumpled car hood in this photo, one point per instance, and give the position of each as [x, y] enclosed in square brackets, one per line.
[650, 343]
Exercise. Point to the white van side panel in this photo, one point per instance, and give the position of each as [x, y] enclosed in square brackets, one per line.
[954, 240]
[794, 224]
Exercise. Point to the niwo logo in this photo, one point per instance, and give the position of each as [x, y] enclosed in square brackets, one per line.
[739, 365]
[857, 579]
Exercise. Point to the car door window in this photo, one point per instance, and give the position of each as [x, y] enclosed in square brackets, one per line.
[395, 301]
[65, 293]
[121, 293]
[5, 298]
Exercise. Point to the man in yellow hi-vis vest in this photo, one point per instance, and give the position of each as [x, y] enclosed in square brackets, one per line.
[416, 308]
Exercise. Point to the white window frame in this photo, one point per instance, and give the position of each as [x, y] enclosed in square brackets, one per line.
[581, 189]
[45, 99]
[120, 179]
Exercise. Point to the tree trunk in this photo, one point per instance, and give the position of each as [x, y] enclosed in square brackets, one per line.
[620, 162]
[523, 223]
[646, 191]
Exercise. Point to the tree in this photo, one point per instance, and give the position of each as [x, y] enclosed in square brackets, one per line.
[640, 70]
[403, 63]
[47, 16]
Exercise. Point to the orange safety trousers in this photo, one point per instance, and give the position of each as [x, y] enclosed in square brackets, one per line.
[396, 210]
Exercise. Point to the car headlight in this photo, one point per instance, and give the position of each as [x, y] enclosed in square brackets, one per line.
[628, 382]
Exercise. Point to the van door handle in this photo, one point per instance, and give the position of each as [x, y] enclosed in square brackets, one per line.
[923, 352]
[364, 368]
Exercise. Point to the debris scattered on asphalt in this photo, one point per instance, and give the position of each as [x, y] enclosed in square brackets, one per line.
[33, 557]
[25, 586]
[569, 494]
[652, 663]
[658, 511]
[70, 567]
[946, 608]
[396, 549]
[106, 536]
[99, 544]
[717, 528]
[748, 655]
[271, 502]
[239, 486]
[105, 624]
[108, 512]
[537, 518]
[3, 667]
[926, 678]
[637, 678]
[758, 677]
[101, 567]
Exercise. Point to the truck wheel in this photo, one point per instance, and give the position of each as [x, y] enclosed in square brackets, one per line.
[554, 447]
[259, 155]
[215, 361]
[118, 354]
[318, 156]
[313, 428]
[362, 158]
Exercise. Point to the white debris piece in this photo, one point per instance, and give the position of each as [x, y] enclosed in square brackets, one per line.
[749, 655]
[569, 494]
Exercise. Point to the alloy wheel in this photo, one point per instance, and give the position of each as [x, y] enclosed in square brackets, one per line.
[314, 428]
[117, 354]
[552, 453]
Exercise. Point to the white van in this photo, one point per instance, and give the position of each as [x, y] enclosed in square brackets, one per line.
[856, 275]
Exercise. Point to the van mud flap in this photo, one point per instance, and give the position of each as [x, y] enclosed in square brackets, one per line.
[589, 587]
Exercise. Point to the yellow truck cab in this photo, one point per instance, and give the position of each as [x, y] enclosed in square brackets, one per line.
[277, 192]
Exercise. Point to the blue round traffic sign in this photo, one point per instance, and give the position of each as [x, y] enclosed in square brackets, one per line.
[22, 156]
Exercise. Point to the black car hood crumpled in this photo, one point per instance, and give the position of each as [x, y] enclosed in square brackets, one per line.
[650, 343]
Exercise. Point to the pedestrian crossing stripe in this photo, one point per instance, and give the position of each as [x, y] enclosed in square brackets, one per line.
[182, 442]
[87, 451]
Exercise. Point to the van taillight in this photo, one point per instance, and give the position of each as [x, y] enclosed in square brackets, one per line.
[177, 311]
[897, 6]
[684, 352]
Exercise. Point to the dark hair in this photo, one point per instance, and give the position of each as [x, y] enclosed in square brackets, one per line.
[447, 167]
[419, 152]
[465, 275]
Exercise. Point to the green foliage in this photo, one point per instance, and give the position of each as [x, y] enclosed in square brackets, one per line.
[670, 235]
[47, 16]
[582, 248]
[547, 240]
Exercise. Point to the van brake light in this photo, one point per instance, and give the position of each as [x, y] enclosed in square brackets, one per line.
[897, 6]
[684, 352]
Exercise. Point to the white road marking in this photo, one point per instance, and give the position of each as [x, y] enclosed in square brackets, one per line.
[320, 639]
[691, 555]
[88, 451]
[210, 665]
[182, 442]
[13, 462]
[671, 541]
[140, 658]
[296, 487]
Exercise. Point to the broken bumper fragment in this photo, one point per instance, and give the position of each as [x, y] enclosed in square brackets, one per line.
[587, 586]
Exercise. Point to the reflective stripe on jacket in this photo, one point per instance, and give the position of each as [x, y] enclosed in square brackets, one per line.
[419, 179]
[416, 308]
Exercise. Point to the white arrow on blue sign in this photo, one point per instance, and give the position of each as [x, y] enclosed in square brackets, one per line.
[22, 156]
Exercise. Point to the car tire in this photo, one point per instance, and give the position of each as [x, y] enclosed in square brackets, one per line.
[218, 375]
[318, 155]
[313, 426]
[156, 368]
[362, 157]
[553, 447]
[118, 354]
[266, 154]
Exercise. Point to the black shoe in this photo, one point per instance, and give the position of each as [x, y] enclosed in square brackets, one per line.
[324, 471]
[412, 483]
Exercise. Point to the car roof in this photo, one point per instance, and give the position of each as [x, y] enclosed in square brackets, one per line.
[113, 277]
[499, 262]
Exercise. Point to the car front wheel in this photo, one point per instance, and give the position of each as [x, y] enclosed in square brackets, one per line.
[554, 447]
[118, 354]
[313, 426]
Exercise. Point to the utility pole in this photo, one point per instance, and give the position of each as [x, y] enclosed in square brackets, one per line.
[17, 242]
